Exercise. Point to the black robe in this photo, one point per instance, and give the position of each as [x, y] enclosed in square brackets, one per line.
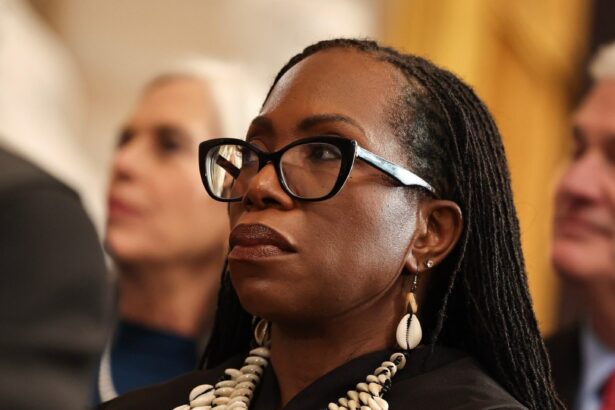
[443, 380]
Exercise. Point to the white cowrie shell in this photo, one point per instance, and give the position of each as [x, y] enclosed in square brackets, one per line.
[201, 408]
[409, 332]
[237, 405]
[373, 405]
[226, 383]
[248, 378]
[382, 378]
[374, 388]
[402, 359]
[333, 406]
[261, 352]
[362, 387]
[353, 395]
[242, 392]
[245, 385]
[383, 370]
[256, 360]
[391, 366]
[198, 390]
[363, 397]
[224, 391]
[238, 398]
[384, 405]
[233, 373]
[203, 399]
[353, 405]
[343, 401]
[221, 400]
[182, 407]
[251, 368]
[372, 379]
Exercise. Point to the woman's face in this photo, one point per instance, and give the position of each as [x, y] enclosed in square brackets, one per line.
[157, 208]
[348, 251]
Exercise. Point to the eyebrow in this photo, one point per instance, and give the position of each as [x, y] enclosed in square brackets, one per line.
[319, 119]
[307, 123]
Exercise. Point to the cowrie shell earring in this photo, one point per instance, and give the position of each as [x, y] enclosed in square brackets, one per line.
[409, 332]
[262, 333]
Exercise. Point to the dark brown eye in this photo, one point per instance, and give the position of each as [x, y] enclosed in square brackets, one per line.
[579, 143]
[169, 140]
[577, 150]
[125, 137]
[609, 150]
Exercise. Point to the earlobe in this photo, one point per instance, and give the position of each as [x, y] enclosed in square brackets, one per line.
[438, 229]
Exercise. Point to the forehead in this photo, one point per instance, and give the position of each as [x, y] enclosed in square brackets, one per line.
[340, 81]
[595, 117]
[174, 99]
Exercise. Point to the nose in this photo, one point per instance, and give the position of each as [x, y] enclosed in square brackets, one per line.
[581, 182]
[128, 160]
[265, 191]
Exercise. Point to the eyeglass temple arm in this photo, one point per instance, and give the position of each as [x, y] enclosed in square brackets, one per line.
[228, 166]
[402, 175]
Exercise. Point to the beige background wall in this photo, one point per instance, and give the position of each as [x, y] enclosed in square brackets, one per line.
[118, 45]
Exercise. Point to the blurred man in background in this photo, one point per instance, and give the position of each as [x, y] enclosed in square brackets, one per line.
[583, 254]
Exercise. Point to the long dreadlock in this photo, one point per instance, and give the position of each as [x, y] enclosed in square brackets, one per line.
[478, 300]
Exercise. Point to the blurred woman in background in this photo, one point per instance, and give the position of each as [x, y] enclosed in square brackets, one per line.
[167, 238]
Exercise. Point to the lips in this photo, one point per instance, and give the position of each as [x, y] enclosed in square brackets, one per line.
[119, 208]
[248, 242]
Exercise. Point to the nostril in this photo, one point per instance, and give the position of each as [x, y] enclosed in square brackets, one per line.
[269, 201]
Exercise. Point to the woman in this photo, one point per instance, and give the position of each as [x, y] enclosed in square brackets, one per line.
[333, 236]
[167, 238]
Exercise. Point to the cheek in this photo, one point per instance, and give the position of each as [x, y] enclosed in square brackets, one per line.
[351, 249]
[374, 237]
[183, 217]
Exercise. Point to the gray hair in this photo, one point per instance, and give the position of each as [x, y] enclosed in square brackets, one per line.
[602, 64]
[231, 89]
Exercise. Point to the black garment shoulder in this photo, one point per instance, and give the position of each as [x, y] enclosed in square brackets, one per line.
[564, 348]
[444, 379]
[18, 175]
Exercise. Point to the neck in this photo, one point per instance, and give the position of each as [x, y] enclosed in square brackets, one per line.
[600, 300]
[177, 298]
[302, 354]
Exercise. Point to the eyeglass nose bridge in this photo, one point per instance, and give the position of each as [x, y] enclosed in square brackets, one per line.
[273, 158]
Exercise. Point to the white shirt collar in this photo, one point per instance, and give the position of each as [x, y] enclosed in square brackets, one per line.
[598, 364]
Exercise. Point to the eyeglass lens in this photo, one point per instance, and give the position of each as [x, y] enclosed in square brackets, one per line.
[309, 170]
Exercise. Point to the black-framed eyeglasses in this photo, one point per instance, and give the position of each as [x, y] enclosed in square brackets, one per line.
[309, 169]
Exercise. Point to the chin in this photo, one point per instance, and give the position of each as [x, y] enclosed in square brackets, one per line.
[126, 249]
[581, 261]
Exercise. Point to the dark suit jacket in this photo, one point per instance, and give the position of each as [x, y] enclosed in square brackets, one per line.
[564, 349]
[53, 291]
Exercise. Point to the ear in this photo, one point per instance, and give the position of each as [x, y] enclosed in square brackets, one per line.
[439, 224]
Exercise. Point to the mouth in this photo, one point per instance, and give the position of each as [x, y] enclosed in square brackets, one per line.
[576, 226]
[120, 208]
[256, 241]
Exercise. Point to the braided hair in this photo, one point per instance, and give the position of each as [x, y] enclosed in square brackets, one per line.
[478, 300]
